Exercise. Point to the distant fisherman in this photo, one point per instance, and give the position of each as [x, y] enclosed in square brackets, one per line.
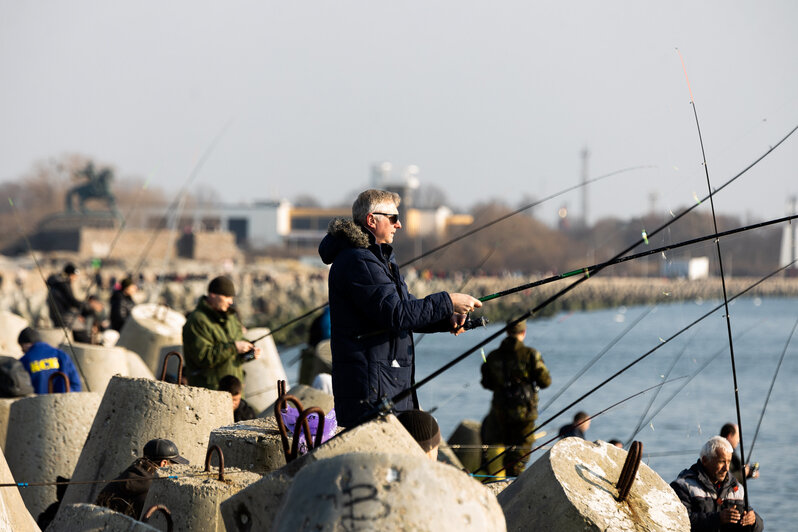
[42, 360]
[513, 372]
[372, 314]
[64, 307]
[732, 433]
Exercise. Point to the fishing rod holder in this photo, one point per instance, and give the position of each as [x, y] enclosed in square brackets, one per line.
[165, 511]
[629, 470]
[169, 355]
[53, 376]
[218, 450]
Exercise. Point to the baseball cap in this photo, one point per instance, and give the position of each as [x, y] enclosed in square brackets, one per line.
[71, 269]
[162, 449]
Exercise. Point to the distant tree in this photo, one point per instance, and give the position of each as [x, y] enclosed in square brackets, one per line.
[430, 197]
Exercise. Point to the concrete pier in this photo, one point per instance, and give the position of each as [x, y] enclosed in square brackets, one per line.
[194, 500]
[45, 436]
[149, 328]
[134, 411]
[375, 491]
[573, 487]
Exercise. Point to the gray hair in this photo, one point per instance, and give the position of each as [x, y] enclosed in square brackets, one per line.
[715, 444]
[370, 199]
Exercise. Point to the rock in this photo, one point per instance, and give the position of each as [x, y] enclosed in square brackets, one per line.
[573, 487]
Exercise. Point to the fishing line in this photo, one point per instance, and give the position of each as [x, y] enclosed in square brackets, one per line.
[772, 382]
[467, 234]
[641, 421]
[596, 358]
[678, 390]
[662, 343]
[722, 279]
[588, 419]
[49, 291]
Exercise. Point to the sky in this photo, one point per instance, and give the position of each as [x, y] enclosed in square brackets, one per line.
[490, 100]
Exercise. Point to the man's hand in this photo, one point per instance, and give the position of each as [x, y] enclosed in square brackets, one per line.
[749, 518]
[457, 322]
[242, 346]
[463, 303]
[729, 515]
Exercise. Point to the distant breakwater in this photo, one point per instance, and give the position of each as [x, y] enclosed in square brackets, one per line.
[276, 294]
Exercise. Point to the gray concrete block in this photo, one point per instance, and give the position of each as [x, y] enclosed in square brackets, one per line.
[45, 437]
[194, 496]
[255, 507]
[97, 364]
[91, 518]
[5, 412]
[375, 491]
[134, 411]
[253, 445]
[465, 442]
[573, 487]
[149, 328]
[10, 327]
[261, 375]
[14, 516]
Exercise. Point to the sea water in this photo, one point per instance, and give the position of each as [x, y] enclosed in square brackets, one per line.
[691, 409]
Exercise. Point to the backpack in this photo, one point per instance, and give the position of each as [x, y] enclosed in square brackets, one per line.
[14, 379]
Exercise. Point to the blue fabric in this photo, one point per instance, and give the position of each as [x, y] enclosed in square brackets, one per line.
[372, 318]
[42, 360]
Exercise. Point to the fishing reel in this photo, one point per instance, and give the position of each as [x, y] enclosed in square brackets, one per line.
[249, 355]
[473, 323]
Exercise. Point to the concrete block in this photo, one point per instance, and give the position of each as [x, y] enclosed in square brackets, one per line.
[466, 443]
[5, 412]
[308, 396]
[447, 455]
[10, 327]
[14, 516]
[45, 437]
[97, 364]
[253, 445]
[149, 328]
[136, 367]
[194, 497]
[257, 504]
[375, 491]
[134, 411]
[261, 375]
[91, 518]
[573, 487]
[55, 336]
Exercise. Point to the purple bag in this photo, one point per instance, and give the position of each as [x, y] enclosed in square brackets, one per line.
[291, 415]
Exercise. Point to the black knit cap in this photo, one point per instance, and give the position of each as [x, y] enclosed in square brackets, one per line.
[423, 427]
[71, 269]
[223, 286]
[28, 336]
[161, 449]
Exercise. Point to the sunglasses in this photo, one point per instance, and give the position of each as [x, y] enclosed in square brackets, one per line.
[393, 218]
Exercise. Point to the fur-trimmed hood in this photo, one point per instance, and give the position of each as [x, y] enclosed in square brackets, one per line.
[343, 233]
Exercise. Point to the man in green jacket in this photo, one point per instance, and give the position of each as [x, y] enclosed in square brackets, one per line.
[213, 338]
[513, 372]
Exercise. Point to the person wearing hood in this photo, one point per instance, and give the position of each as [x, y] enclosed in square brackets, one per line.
[372, 314]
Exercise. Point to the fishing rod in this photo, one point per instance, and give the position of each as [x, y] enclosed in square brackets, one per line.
[467, 234]
[722, 280]
[661, 344]
[772, 382]
[676, 392]
[596, 358]
[49, 291]
[597, 414]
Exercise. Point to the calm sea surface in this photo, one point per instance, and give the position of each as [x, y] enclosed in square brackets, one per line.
[702, 403]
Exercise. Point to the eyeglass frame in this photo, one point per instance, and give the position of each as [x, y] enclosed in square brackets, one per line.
[393, 218]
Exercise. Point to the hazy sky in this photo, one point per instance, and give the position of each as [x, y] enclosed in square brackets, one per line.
[489, 99]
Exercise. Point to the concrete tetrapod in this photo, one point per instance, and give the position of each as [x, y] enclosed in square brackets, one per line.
[253, 445]
[149, 328]
[261, 375]
[91, 518]
[465, 441]
[10, 327]
[194, 498]
[254, 508]
[134, 411]
[97, 363]
[14, 516]
[376, 491]
[46, 434]
[573, 487]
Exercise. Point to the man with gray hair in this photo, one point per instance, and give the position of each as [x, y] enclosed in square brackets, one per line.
[372, 314]
[713, 498]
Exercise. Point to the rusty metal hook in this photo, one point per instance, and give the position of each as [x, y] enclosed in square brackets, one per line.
[179, 366]
[629, 470]
[57, 374]
[278, 407]
[208, 455]
[302, 424]
[164, 510]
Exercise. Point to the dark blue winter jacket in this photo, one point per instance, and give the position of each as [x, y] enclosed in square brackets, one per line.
[372, 318]
[42, 360]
